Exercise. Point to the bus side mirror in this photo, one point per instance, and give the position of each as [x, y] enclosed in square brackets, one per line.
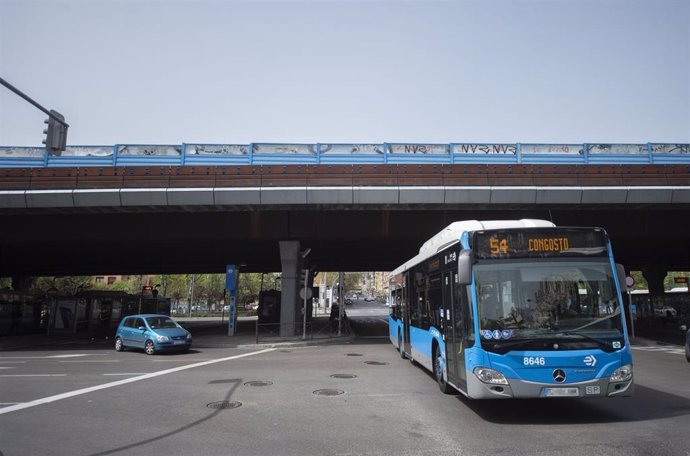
[620, 271]
[465, 267]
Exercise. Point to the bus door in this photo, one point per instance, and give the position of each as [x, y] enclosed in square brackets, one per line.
[407, 301]
[447, 325]
[457, 343]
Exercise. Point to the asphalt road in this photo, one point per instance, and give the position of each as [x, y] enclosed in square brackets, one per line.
[100, 402]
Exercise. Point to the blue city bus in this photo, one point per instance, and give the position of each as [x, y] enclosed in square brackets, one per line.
[514, 309]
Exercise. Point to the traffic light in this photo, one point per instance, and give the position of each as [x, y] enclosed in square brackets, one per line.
[56, 133]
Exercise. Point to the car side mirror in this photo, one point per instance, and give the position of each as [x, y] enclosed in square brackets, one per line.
[142, 328]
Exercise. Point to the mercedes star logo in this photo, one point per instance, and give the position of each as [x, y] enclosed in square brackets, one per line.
[559, 376]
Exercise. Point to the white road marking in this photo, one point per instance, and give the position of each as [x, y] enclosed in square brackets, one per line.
[5, 367]
[34, 375]
[75, 355]
[663, 348]
[91, 389]
[92, 361]
[126, 374]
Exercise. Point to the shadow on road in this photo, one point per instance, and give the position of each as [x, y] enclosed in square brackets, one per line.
[123, 449]
[646, 404]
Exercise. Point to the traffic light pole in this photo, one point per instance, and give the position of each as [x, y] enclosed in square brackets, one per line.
[27, 98]
[54, 141]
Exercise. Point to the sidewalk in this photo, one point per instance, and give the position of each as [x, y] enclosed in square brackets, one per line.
[207, 333]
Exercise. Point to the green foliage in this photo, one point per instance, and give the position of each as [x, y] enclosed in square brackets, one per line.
[669, 280]
[640, 281]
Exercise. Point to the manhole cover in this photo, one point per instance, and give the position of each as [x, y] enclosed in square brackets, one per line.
[375, 363]
[329, 392]
[258, 383]
[354, 354]
[344, 376]
[221, 405]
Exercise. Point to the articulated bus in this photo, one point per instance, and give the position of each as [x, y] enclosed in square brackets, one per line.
[514, 309]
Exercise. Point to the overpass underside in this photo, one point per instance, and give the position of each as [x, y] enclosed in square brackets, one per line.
[354, 217]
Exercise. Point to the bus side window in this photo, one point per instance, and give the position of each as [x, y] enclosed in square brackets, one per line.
[435, 306]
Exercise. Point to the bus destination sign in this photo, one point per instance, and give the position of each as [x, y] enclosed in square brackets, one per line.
[539, 243]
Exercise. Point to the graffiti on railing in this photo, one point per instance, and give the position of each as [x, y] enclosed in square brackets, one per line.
[487, 149]
[263, 153]
[671, 148]
[149, 150]
[430, 149]
[87, 151]
[627, 149]
[22, 152]
[559, 149]
[351, 149]
[216, 149]
[285, 149]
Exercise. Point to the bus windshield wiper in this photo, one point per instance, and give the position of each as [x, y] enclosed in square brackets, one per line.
[513, 343]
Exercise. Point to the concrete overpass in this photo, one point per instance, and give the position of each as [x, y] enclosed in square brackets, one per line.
[170, 219]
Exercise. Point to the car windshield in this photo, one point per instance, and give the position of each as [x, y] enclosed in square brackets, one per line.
[547, 300]
[161, 323]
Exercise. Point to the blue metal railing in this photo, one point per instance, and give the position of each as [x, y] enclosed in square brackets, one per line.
[398, 153]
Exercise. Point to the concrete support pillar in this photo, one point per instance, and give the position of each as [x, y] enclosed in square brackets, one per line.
[289, 304]
[655, 275]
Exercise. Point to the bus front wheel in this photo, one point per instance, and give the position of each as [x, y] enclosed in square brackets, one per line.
[440, 374]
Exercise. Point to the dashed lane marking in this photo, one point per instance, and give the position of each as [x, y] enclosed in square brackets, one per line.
[661, 348]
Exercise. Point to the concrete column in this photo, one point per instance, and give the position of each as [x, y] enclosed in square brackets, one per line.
[289, 304]
[655, 275]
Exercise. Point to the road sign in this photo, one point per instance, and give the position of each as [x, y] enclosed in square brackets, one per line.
[306, 293]
[231, 286]
[629, 281]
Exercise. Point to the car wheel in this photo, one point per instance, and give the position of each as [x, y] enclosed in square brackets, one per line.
[119, 346]
[439, 374]
[150, 349]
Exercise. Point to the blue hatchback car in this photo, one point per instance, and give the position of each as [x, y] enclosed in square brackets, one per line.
[153, 333]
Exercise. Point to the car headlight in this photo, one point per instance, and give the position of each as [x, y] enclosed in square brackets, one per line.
[189, 336]
[162, 338]
[622, 374]
[491, 376]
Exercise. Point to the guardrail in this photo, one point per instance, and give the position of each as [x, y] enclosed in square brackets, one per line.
[384, 153]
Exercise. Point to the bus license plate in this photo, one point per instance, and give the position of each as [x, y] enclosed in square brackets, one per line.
[560, 392]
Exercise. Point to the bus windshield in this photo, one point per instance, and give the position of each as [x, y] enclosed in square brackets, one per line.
[562, 301]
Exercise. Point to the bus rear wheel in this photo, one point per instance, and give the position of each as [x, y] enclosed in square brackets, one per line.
[400, 346]
[439, 373]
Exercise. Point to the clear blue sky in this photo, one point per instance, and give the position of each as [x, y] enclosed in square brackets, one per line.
[234, 72]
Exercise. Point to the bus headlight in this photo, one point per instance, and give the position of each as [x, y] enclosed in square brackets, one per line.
[622, 374]
[491, 376]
